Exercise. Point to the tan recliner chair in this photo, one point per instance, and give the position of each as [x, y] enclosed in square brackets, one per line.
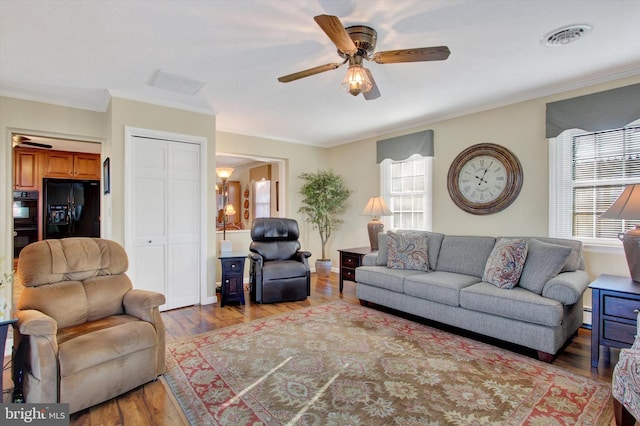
[84, 334]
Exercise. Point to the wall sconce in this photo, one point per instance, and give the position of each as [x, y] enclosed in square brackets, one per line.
[627, 206]
[375, 207]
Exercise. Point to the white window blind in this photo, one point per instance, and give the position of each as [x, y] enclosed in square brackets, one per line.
[262, 198]
[591, 170]
[406, 187]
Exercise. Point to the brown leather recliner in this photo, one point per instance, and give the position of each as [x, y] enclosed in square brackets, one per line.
[279, 270]
[84, 335]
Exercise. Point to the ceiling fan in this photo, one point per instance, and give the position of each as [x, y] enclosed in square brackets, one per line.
[23, 140]
[356, 43]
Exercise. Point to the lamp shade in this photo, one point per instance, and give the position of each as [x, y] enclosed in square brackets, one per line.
[627, 206]
[376, 206]
[229, 210]
[224, 172]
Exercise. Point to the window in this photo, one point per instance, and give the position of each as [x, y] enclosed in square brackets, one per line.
[591, 170]
[406, 187]
[262, 198]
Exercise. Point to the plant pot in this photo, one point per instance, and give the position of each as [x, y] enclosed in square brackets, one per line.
[323, 268]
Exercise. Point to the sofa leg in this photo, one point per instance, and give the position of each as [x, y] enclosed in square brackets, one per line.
[623, 417]
[363, 302]
[545, 356]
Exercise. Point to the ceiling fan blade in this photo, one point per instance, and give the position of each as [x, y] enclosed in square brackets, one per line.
[306, 73]
[36, 144]
[333, 28]
[438, 53]
[373, 93]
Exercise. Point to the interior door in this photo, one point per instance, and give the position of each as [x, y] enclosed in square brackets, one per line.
[165, 182]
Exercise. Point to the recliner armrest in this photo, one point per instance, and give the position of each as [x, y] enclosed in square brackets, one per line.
[303, 253]
[36, 323]
[141, 303]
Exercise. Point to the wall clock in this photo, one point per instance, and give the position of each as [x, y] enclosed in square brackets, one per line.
[484, 179]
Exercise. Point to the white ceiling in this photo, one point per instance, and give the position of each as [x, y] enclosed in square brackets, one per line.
[81, 53]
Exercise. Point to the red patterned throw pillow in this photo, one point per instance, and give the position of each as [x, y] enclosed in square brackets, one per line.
[408, 251]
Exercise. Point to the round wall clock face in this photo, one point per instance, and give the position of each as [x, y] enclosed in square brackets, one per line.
[484, 178]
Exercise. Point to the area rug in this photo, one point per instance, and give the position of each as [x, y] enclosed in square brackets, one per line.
[343, 364]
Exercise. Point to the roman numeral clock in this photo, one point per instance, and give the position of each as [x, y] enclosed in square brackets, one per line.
[484, 179]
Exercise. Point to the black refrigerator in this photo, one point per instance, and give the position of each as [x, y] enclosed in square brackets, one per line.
[71, 208]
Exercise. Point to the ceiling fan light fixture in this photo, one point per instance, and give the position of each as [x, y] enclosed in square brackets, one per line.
[357, 80]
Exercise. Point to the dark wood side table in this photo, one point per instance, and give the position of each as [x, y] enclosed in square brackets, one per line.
[616, 301]
[350, 259]
[232, 277]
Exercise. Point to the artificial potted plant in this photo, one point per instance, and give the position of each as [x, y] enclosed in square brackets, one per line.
[324, 199]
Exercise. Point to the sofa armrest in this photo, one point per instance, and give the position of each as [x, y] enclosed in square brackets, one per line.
[567, 287]
[370, 259]
[37, 331]
[144, 304]
[141, 303]
[36, 323]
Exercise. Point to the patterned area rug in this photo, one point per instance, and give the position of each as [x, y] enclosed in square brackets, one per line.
[342, 364]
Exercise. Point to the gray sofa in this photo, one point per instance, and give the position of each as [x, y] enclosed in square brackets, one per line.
[541, 312]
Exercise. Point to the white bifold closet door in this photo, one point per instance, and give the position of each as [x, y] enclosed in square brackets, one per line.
[166, 225]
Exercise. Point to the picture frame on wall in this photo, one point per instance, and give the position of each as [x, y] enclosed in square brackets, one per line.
[106, 176]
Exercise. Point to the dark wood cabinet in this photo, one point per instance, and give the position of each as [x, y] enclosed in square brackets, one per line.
[350, 259]
[232, 277]
[616, 301]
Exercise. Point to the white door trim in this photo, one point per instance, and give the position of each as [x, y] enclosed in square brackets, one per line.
[129, 134]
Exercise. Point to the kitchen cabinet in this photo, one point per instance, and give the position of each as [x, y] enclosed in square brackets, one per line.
[60, 164]
[26, 169]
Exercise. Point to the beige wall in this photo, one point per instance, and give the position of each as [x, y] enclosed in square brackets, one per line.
[38, 119]
[297, 158]
[519, 127]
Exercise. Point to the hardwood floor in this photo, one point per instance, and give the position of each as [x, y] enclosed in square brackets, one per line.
[153, 403]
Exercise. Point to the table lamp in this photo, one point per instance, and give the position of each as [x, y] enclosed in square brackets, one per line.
[627, 206]
[375, 207]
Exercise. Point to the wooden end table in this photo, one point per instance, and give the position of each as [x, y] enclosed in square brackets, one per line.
[350, 259]
[616, 301]
[232, 277]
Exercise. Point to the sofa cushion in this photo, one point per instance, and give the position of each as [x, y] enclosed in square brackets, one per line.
[505, 263]
[544, 261]
[575, 261]
[438, 286]
[383, 277]
[465, 255]
[434, 240]
[516, 303]
[408, 251]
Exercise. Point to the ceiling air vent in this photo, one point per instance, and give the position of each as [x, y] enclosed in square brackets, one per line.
[566, 35]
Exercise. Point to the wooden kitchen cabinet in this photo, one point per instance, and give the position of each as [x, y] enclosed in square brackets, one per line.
[60, 164]
[26, 169]
[86, 166]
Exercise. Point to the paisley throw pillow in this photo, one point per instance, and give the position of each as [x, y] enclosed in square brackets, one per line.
[505, 264]
[408, 251]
